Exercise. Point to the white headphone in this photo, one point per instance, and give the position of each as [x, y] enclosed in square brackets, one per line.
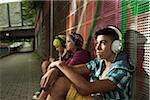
[117, 44]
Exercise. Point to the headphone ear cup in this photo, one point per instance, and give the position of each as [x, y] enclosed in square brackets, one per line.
[57, 42]
[75, 42]
[116, 46]
[62, 42]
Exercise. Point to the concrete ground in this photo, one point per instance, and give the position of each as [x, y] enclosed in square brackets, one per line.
[19, 76]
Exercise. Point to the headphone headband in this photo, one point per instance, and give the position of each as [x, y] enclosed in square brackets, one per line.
[117, 31]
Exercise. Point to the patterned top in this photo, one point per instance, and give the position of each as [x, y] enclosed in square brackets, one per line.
[120, 73]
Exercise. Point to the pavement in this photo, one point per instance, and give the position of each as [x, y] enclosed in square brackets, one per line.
[20, 75]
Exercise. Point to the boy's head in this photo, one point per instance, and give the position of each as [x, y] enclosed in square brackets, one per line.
[108, 41]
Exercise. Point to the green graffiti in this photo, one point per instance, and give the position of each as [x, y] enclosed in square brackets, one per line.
[93, 25]
[124, 21]
[137, 7]
[133, 6]
[143, 6]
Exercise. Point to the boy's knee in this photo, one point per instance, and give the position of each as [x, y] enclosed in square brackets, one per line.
[64, 80]
[60, 88]
[45, 64]
[62, 83]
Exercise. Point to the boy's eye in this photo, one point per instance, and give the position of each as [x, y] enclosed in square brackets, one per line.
[103, 42]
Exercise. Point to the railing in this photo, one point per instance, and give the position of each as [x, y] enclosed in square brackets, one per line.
[6, 50]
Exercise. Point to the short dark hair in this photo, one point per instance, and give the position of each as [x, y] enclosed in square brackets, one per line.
[108, 32]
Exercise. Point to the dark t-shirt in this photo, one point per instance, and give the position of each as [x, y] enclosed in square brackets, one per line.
[81, 56]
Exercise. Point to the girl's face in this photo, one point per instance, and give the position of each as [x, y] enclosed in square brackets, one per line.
[60, 49]
[69, 45]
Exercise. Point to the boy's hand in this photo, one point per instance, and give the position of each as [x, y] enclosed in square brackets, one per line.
[49, 79]
[51, 59]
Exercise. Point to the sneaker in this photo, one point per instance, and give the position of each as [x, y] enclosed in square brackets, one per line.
[36, 95]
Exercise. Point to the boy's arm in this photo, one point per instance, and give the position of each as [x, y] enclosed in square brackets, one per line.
[81, 69]
[52, 73]
[82, 85]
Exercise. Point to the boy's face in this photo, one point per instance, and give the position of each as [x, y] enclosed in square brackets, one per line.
[103, 47]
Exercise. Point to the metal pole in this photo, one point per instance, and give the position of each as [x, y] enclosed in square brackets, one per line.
[8, 15]
[51, 28]
[21, 14]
